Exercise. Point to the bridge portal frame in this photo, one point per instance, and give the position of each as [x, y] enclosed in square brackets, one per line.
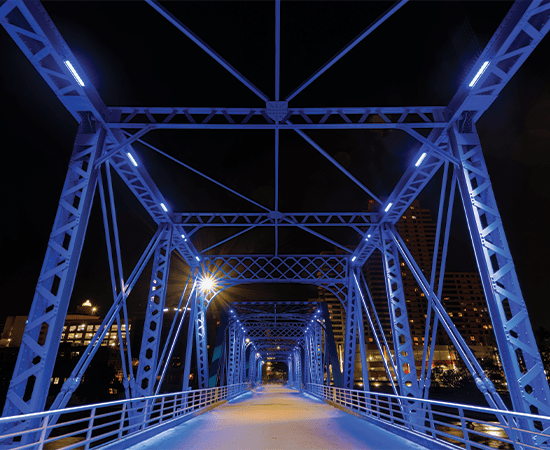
[101, 141]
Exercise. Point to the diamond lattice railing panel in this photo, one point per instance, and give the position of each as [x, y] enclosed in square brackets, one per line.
[316, 269]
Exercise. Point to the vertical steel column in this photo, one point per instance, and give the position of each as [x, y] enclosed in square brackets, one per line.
[232, 357]
[189, 342]
[353, 314]
[362, 347]
[238, 347]
[243, 359]
[152, 327]
[307, 365]
[298, 365]
[318, 347]
[201, 340]
[290, 368]
[217, 355]
[516, 343]
[30, 382]
[260, 369]
[251, 365]
[402, 344]
[334, 363]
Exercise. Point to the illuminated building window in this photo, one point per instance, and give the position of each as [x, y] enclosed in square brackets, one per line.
[86, 342]
[56, 380]
[78, 336]
[89, 335]
[82, 327]
[72, 328]
[71, 335]
[90, 328]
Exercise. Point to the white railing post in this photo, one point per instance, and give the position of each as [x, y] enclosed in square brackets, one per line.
[90, 428]
[122, 418]
[43, 433]
[464, 426]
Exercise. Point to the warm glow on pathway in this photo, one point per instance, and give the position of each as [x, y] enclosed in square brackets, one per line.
[274, 417]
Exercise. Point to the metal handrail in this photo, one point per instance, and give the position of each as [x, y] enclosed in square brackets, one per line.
[450, 423]
[101, 423]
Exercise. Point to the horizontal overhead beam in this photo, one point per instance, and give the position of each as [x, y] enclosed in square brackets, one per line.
[268, 219]
[262, 118]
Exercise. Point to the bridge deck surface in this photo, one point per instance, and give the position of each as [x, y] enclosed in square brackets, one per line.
[274, 417]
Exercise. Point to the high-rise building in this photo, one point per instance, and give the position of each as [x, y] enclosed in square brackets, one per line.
[462, 296]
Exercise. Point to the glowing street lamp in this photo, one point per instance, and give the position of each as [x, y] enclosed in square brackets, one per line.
[207, 284]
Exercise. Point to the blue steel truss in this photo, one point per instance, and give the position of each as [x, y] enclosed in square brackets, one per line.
[297, 333]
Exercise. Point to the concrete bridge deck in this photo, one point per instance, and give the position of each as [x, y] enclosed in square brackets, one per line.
[275, 417]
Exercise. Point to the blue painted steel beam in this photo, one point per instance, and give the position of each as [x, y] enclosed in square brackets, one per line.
[197, 40]
[383, 346]
[517, 346]
[346, 49]
[201, 339]
[331, 347]
[234, 269]
[152, 147]
[284, 219]
[370, 117]
[47, 52]
[338, 165]
[55, 282]
[521, 31]
[166, 356]
[127, 371]
[152, 327]
[273, 126]
[405, 366]
[72, 383]
[277, 49]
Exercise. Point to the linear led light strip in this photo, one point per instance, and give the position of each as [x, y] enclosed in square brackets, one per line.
[74, 74]
[479, 73]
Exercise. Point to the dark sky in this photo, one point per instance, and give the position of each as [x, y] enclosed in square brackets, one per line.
[136, 58]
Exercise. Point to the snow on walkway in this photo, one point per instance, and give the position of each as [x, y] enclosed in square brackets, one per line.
[274, 417]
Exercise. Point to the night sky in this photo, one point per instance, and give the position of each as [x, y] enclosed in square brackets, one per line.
[134, 57]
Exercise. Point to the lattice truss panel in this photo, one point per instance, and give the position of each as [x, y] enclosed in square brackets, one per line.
[289, 332]
[319, 269]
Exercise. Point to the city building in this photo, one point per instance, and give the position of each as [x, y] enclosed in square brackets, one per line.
[462, 296]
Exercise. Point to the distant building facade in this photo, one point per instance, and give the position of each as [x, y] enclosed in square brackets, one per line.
[462, 296]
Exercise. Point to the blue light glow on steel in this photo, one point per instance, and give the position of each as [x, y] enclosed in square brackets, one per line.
[422, 157]
[74, 74]
[131, 158]
[479, 73]
[464, 151]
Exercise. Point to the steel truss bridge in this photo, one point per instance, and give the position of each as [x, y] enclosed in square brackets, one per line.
[252, 332]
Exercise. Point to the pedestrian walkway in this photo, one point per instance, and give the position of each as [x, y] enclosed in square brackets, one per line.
[275, 417]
